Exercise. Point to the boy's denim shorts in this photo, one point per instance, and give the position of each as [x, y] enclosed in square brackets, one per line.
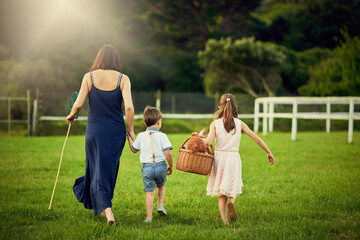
[154, 175]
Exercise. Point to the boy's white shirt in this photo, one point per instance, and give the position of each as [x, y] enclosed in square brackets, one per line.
[161, 143]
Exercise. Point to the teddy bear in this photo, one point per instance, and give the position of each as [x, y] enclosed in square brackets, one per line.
[196, 145]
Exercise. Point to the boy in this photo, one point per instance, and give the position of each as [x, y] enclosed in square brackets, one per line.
[154, 147]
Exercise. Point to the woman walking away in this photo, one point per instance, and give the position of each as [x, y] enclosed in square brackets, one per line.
[105, 134]
[225, 177]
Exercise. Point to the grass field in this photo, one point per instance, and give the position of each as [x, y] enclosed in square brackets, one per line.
[312, 192]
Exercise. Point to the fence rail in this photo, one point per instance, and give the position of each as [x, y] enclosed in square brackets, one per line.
[198, 106]
[140, 116]
[268, 113]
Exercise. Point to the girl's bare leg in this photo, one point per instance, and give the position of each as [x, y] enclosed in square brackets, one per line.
[231, 208]
[222, 209]
[149, 204]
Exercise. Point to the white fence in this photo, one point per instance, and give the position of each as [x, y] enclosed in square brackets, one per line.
[140, 116]
[268, 113]
[9, 119]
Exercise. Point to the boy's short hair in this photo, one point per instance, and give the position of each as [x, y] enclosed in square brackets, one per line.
[151, 116]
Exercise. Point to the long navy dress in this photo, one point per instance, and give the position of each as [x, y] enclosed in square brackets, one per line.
[105, 137]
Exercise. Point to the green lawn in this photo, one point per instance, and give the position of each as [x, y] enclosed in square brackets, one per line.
[312, 192]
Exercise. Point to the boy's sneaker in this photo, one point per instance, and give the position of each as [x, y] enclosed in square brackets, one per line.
[161, 210]
[147, 220]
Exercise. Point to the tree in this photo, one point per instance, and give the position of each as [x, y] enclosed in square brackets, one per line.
[304, 24]
[188, 24]
[338, 75]
[173, 31]
[296, 67]
[245, 64]
[7, 87]
[181, 72]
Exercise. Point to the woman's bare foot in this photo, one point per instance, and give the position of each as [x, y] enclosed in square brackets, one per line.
[110, 216]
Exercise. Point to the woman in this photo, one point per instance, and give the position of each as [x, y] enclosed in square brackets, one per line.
[105, 134]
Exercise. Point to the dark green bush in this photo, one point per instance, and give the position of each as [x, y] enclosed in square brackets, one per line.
[60, 128]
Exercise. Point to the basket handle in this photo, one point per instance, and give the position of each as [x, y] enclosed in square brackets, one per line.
[212, 149]
[211, 146]
[182, 145]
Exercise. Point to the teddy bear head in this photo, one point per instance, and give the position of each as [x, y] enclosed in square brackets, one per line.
[196, 144]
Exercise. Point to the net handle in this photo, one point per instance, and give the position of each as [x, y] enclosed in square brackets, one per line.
[72, 100]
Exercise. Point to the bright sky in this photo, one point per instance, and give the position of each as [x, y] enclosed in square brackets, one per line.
[28, 25]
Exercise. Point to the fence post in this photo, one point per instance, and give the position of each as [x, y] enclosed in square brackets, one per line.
[9, 116]
[256, 115]
[158, 99]
[173, 104]
[28, 110]
[216, 100]
[351, 120]
[294, 121]
[35, 119]
[328, 111]
[271, 118]
[265, 120]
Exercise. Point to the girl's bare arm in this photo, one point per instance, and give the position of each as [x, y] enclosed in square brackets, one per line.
[209, 139]
[258, 140]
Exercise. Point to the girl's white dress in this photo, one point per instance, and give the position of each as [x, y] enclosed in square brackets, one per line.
[225, 175]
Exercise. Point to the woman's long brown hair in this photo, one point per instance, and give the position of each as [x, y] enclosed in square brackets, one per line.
[107, 58]
[227, 111]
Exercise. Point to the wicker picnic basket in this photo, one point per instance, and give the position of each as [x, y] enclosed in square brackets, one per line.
[199, 163]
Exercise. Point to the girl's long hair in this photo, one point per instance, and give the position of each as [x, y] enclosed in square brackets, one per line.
[227, 111]
[107, 58]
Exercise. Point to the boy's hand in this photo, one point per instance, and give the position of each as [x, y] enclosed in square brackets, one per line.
[170, 161]
[271, 158]
[202, 133]
[131, 142]
[170, 169]
[128, 138]
[130, 134]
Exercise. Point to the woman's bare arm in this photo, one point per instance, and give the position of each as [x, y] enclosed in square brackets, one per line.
[128, 104]
[83, 93]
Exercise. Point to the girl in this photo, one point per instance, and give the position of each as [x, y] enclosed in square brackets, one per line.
[225, 177]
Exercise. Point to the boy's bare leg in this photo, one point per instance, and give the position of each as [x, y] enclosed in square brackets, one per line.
[149, 204]
[223, 209]
[161, 194]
